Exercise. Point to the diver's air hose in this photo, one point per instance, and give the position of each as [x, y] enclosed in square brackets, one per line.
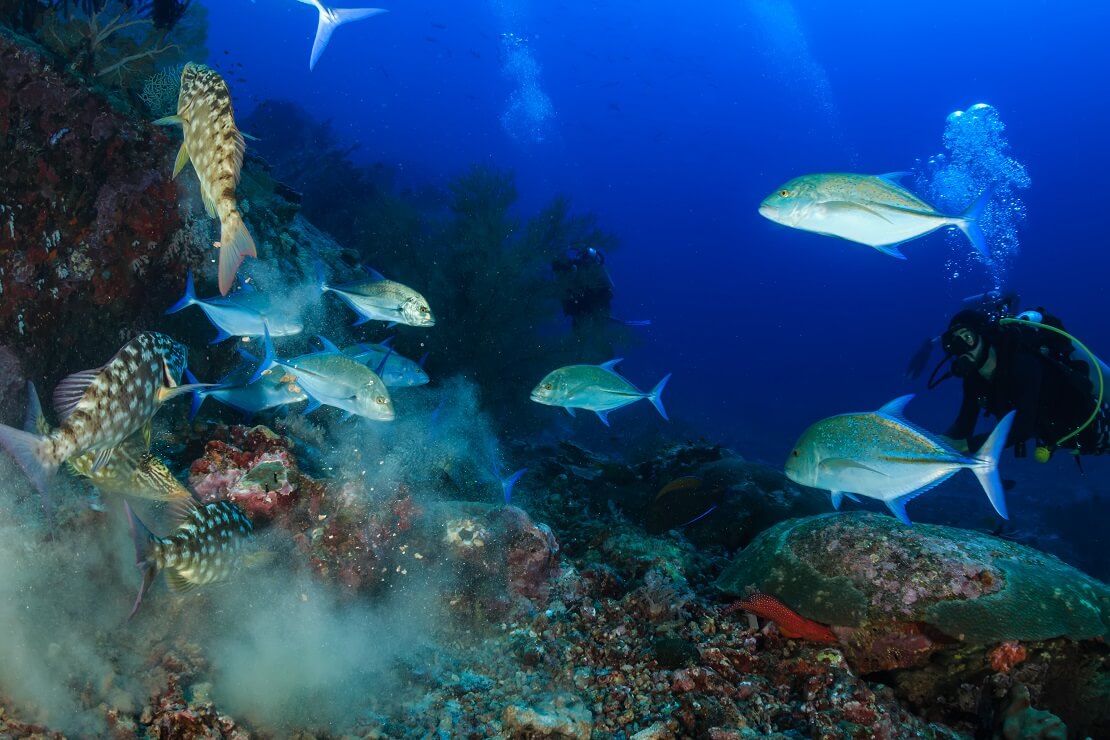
[1094, 363]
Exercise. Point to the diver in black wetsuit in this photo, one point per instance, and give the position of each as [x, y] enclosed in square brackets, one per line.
[1011, 363]
[587, 290]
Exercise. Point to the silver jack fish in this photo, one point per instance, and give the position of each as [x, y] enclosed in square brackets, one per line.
[242, 314]
[882, 456]
[236, 390]
[214, 144]
[598, 388]
[207, 547]
[396, 371]
[132, 470]
[380, 299]
[867, 209]
[331, 19]
[100, 408]
[330, 378]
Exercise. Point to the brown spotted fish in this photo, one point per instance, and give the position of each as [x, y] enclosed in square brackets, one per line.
[132, 469]
[207, 547]
[214, 144]
[100, 408]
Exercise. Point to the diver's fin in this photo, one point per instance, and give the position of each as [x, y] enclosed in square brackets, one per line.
[897, 407]
[986, 467]
[144, 554]
[68, 393]
[188, 299]
[656, 396]
[181, 161]
[331, 19]
[969, 224]
[235, 245]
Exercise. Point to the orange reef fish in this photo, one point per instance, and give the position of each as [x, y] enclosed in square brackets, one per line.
[214, 144]
[790, 623]
[102, 407]
[206, 547]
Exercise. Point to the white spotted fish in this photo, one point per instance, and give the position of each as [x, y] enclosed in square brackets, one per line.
[215, 146]
[132, 469]
[100, 408]
[206, 547]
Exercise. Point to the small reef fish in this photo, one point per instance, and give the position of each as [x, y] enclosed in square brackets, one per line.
[330, 378]
[236, 391]
[132, 471]
[597, 388]
[381, 300]
[331, 19]
[100, 408]
[206, 547]
[241, 314]
[790, 623]
[868, 209]
[882, 456]
[215, 146]
[396, 371]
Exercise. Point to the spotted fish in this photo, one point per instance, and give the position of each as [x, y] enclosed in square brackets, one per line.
[100, 408]
[215, 145]
[207, 547]
[132, 469]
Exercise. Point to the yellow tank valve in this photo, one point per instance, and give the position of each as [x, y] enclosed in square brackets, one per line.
[1042, 454]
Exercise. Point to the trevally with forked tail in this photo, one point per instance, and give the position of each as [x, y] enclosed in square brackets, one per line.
[132, 469]
[215, 146]
[207, 547]
[100, 408]
[236, 390]
[379, 299]
[598, 388]
[867, 209]
[244, 313]
[396, 371]
[882, 456]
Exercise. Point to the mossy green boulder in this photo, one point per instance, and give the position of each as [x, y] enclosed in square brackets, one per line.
[857, 569]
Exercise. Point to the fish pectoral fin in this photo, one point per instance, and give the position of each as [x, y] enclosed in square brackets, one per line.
[570, 410]
[181, 161]
[178, 583]
[70, 390]
[209, 204]
[848, 206]
[835, 464]
[146, 432]
[174, 120]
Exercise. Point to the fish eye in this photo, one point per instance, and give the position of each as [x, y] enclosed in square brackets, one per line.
[547, 386]
[784, 193]
[381, 399]
[797, 454]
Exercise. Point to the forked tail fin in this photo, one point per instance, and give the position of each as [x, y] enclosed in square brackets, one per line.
[987, 468]
[331, 19]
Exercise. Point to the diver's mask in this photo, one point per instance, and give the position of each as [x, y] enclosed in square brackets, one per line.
[968, 349]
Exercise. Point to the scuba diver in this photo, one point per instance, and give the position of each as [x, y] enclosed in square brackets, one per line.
[1025, 362]
[587, 289]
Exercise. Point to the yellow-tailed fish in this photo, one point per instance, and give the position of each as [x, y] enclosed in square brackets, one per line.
[215, 146]
[207, 546]
[598, 388]
[100, 408]
[882, 456]
[867, 209]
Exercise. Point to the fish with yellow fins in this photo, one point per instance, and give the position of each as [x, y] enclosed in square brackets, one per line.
[100, 408]
[132, 470]
[215, 146]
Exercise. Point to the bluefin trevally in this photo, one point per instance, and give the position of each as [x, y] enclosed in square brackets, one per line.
[598, 388]
[396, 371]
[381, 300]
[241, 314]
[868, 209]
[236, 391]
[882, 456]
[331, 19]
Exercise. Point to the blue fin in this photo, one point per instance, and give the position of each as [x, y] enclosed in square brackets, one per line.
[361, 320]
[898, 508]
[381, 365]
[603, 415]
[221, 335]
[611, 364]
[331, 19]
[423, 359]
[656, 396]
[188, 299]
[570, 410]
[508, 483]
[969, 224]
[837, 497]
[891, 250]
[198, 395]
[247, 356]
[313, 404]
[897, 407]
[268, 358]
[321, 282]
[144, 554]
[895, 178]
[329, 346]
[986, 469]
[374, 274]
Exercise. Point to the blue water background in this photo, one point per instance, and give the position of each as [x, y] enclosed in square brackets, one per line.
[673, 120]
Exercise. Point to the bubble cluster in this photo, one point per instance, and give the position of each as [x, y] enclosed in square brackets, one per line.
[975, 160]
[528, 114]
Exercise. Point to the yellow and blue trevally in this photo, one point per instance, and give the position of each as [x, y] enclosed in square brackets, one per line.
[868, 209]
[882, 456]
[244, 313]
[597, 388]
